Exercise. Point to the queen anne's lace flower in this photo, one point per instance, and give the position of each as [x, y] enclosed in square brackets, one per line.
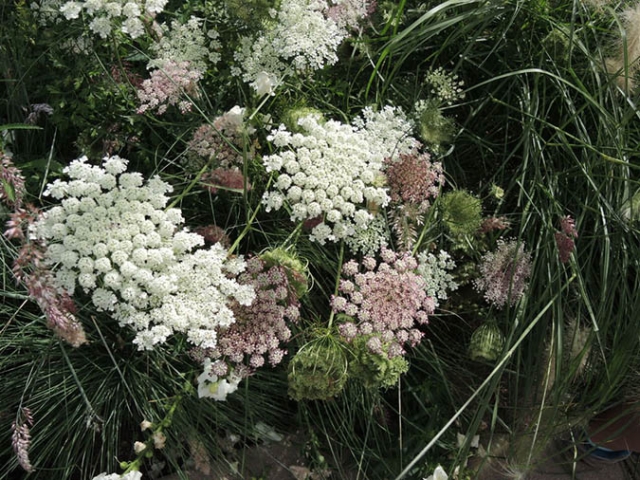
[168, 86]
[262, 327]
[388, 302]
[434, 270]
[212, 386]
[349, 13]
[112, 237]
[186, 42]
[133, 475]
[107, 15]
[331, 170]
[504, 273]
[299, 39]
[222, 141]
[388, 131]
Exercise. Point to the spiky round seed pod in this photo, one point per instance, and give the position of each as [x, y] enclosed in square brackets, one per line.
[486, 342]
[319, 370]
[461, 212]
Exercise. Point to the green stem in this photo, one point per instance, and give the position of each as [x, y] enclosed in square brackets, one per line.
[189, 187]
[247, 227]
[335, 291]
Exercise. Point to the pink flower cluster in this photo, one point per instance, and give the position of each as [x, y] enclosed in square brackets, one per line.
[504, 273]
[222, 141]
[28, 267]
[167, 86]
[565, 238]
[387, 302]
[349, 13]
[21, 439]
[412, 178]
[261, 327]
[12, 188]
[225, 178]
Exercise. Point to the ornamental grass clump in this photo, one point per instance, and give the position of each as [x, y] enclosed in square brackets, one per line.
[112, 239]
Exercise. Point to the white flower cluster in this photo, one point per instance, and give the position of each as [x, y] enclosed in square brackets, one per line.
[388, 130]
[47, 12]
[434, 270]
[112, 237]
[371, 239]
[211, 386]
[445, 86]
[133, 475]
[108, 14]
[186, 42]
[330, 172]
[299, 39]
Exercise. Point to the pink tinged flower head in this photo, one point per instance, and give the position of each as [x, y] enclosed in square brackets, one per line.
[414, 180]
[565, 238]
[386, 300]
[504, 273]
[225, 178]
[349, 13]
[12, 189]
[220, 141]
[262, 327]
[169, 86]
[21, 439]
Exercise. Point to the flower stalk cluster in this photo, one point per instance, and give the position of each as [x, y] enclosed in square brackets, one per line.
[21, 439]
[29, 267]
[565, 238]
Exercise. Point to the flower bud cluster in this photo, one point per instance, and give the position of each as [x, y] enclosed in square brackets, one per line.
[112, 237]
